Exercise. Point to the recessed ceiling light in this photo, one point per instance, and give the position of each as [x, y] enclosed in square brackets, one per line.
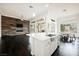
[46, 5]
[34, 14]
[30, 6]
[64, 10]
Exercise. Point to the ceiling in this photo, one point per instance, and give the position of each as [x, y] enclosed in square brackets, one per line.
[30, 10]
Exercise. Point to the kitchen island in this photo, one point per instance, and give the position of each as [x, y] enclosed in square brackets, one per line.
[42, 44]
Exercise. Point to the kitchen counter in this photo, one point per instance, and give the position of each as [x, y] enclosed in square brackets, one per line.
[42, 44]
[41, 36]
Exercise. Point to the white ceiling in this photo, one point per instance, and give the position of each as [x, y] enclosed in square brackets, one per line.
[57, 10]
[22, 10]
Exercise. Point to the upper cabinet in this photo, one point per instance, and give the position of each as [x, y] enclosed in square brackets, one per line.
[42, 26]
[37, 26]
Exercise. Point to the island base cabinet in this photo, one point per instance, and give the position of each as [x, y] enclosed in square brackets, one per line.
[43, 47]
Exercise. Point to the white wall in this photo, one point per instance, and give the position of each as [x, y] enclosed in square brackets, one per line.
[68, 20]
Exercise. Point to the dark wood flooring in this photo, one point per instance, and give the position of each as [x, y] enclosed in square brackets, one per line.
[64, 49]
[15, 46]
[67, 49]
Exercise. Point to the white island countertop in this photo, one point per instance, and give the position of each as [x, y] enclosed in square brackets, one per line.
[40, 36]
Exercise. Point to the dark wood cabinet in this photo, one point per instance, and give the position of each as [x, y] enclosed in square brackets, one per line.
[9, 25]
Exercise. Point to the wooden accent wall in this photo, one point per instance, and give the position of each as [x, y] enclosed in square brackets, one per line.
[8, 23]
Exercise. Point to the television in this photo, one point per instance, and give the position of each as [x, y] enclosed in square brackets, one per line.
[19, 25]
